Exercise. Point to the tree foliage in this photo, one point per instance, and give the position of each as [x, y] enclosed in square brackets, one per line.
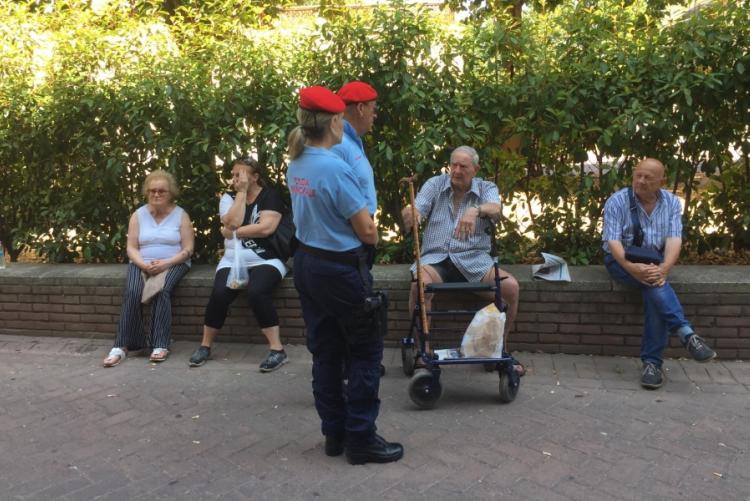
[559, 103]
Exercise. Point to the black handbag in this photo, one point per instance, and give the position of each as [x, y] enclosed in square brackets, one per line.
[635, 253]
[283, 240]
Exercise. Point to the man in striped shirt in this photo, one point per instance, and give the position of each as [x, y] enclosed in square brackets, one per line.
[459, 209]
[660, 218]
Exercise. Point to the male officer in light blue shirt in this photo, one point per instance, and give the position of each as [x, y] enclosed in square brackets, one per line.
[360, 114]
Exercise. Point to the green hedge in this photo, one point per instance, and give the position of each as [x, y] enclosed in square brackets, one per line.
[92, 101]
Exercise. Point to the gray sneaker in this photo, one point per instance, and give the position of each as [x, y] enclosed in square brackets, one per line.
[200, 356]
[651, 376]
[698, 349]
[273, 361]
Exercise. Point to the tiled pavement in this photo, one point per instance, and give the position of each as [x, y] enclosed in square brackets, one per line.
[580, 428]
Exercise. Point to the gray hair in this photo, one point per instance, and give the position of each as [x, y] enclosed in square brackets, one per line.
[468, 150]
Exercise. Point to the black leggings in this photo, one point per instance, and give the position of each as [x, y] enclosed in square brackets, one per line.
[262, 281]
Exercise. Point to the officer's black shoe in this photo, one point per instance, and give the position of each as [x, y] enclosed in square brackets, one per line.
[377, 451]
[334, 445]
[651, 376]
[698, 349]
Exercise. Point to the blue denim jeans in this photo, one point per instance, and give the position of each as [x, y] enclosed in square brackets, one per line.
[662, 313]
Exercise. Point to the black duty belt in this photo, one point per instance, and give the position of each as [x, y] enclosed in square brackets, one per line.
[346, 258]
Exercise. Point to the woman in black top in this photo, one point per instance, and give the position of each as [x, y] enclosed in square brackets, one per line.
[254, 212]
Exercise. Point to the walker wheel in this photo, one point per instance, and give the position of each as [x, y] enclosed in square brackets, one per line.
[424, 389]
[382, 370]
[508, 386]
[408, 355]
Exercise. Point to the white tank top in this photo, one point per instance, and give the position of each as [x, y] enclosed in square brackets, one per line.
[162, 240]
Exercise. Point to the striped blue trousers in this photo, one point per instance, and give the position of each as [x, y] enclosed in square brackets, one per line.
[130, 332]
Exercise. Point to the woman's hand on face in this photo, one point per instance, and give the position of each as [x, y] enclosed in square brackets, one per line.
[243, 182]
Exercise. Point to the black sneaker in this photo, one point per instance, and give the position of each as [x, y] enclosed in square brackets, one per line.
[698, 349]
[651, 376]
[200, 356]
[377, 451]
[273, 361]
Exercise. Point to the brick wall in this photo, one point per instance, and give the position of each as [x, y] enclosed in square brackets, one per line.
[589, 315]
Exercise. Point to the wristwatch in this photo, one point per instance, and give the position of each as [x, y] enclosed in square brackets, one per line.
[478, 208]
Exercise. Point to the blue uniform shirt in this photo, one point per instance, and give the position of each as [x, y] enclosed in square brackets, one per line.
[352, 151]
[325, 195]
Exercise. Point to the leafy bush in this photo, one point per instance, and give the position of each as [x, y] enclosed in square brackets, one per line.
[560, 104]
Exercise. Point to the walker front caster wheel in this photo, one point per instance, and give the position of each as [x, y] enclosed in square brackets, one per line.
[424, 389]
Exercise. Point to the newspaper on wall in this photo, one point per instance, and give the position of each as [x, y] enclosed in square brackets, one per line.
[554, 269]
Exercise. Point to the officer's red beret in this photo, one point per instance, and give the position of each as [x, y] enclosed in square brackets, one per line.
[318, 98]
[357, 92]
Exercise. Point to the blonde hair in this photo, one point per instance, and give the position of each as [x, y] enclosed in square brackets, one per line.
[174, 190]
[312, 125]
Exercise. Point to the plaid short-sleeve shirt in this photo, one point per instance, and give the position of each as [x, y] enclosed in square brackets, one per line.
[435, 203]
[665, 221]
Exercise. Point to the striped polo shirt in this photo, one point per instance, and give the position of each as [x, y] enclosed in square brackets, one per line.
[435, 203]
[664, 222]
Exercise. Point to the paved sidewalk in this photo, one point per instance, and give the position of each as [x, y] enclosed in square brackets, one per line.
[580, 428]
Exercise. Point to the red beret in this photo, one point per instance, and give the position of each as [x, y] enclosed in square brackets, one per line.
[357, 92]
[317, 98]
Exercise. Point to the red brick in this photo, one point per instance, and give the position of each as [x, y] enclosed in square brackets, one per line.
[575, 349]
[558, 338]
[65, 299]
[741, 299]
[562, 318]
[32, 298]
[535, 327]
[96, 299]
[581, 328]
[719, 311]
[64, 317]
[523, 337]
[733, 343]
[15, 289]
[9, 315]
[720, 332]
[36, 315]
[733, 321]
[8, 298]
[79, 308]
[603, 339]
[17, 307]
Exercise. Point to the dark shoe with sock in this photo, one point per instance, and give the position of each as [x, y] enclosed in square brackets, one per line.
[273, 361]
[376, 451]
[200, 356]
[334, 445]
[651, 376]
[698, 349]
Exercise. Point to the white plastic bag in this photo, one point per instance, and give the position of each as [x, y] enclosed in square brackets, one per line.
[238, 277]
[484, 336]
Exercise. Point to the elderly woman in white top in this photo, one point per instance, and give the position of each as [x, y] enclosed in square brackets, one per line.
[160, 243]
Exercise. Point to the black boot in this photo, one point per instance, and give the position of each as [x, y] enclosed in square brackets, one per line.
[334, 445]
[375, 451]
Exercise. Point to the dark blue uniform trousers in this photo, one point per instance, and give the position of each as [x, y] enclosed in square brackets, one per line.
[328, 292]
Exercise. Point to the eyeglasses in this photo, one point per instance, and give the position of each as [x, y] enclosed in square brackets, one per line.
[157, 192]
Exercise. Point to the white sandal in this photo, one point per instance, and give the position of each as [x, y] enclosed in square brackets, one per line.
[116, 355]
[159, 355]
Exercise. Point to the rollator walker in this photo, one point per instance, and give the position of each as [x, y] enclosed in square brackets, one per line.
[418, 357]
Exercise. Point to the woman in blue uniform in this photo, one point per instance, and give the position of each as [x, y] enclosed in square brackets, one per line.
[334, 284]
